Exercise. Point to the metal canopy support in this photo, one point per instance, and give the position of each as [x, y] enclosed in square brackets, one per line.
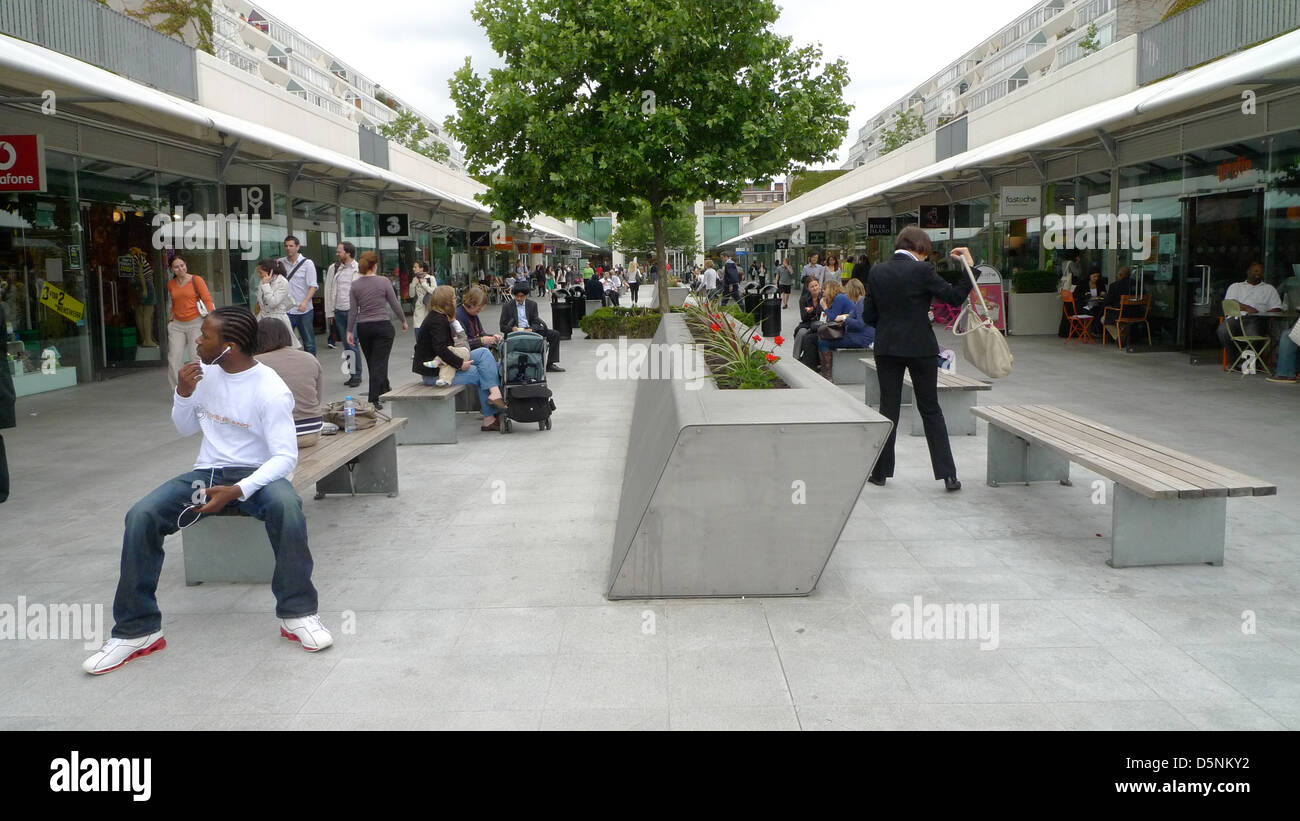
[228, 156]
[379, 195]
[1108, 143]
[57, 100]
[986, 177]
[1039, 165]
[294, 174]
[947, 190]
[345, 184]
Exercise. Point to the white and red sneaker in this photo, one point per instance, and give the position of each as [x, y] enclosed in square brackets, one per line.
[117, 652]
[307, 631]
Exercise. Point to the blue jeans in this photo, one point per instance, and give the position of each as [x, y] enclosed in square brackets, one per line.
[341, 322]
[135, 607]
[1286, 356]
[303, 324]
[482, 373]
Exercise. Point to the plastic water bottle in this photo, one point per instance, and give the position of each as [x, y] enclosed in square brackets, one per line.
[349, 415]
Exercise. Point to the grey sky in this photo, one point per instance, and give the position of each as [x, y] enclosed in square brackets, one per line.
[411, 47]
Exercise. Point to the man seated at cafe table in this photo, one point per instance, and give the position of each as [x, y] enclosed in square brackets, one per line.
[1255, 297]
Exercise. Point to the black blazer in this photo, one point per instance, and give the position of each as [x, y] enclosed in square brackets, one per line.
[510, 316]
[433, 339]
[8, 395]
[899, 293]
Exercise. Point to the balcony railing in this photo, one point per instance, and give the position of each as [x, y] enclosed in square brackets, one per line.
[1213, 29]
[100, 36]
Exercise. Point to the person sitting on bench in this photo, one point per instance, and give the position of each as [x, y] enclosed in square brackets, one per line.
[520, 314]
[300, 371]
[245, 412]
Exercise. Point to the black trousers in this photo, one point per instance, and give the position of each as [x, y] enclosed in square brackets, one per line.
[552, 345]
[4, 471]
[634, 287]
[924, 371]
[376, 341]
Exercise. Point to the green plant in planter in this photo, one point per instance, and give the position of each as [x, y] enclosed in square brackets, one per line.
[744, 365]
[611, 323]
[1034, 282]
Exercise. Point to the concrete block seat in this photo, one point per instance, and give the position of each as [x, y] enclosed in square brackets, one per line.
[1168, 507]
[430, 412]
[845, 370]
[957, 396]
[233, 547]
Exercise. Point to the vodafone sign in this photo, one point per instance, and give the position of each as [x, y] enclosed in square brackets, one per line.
[22, 162]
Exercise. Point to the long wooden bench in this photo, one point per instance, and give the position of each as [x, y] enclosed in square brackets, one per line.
[233, 547]
[1168, 507]
[958, 395]
[430, 413]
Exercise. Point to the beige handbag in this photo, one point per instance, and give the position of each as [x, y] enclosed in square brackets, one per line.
[983, 344]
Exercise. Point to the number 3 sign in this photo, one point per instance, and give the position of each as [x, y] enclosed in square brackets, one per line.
[393, 225]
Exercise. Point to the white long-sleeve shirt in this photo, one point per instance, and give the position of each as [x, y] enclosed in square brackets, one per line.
[246, 420]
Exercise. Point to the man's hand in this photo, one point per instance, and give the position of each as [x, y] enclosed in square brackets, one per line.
[465, 364]
[1248, 309]
[963, 253]
[488, 340]
[219, 497]
[517, 329]
[188, 378]
[303, 306]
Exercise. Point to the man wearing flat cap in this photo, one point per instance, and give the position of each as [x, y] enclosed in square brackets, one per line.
[520, 314]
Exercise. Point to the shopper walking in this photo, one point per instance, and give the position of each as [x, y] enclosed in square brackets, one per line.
[368, 323]
[8, 395]
[899, 293]
[190, 303]
[634, 280]
[301, 273]
[338, 305]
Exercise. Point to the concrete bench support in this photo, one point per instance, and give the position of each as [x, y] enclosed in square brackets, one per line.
[1012, 460]
[1166, 531]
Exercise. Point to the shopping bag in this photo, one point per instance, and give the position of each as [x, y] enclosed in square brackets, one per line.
[983, 344]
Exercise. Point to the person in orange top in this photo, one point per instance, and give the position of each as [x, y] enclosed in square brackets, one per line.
[185, 290]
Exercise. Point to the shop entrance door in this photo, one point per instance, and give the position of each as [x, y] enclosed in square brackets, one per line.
[125, 285]
[1226, 236]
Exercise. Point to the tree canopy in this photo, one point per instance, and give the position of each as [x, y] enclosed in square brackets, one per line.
[634, 234]
[601, 102]
[408, 129]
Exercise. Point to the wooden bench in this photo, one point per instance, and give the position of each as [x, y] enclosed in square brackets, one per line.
[1168, 507]
[233, 547]
[430, 413]
[843, 371]
[958, 395]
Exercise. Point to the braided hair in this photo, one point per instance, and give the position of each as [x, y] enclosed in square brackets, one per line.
[238, 325]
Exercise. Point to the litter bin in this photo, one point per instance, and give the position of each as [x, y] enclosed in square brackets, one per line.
[561, 316]
[751, 302]
[577, 306]
[771, 311]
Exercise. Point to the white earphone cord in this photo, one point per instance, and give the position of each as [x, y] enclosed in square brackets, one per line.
[211, 473]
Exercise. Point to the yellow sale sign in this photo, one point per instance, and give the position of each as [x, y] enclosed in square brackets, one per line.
[58, 300]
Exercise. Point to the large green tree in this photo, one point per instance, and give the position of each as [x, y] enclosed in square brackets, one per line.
[600, 102]
[409, 130]
[635, 233]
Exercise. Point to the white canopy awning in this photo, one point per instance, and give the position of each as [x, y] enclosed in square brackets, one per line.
[21, 57]
[1244, 67]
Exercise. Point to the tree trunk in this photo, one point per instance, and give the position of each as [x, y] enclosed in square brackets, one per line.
[661, 254]
[661, 259]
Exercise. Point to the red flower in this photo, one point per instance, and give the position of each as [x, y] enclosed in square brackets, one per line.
[715, 327]
[758, 338]
[717, 316]
[780, 340]
[772, 357]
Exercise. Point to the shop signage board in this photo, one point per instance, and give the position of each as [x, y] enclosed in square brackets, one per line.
[22, 162]
[934, 217]
[537, 248]
[783, 245]
[1018, 201]
[394, 226]
[816, 237]
[478, 239]
[990, 284]
[880, 226]
[126, 266]
[74, 257]
[251, 199]
[60, 302]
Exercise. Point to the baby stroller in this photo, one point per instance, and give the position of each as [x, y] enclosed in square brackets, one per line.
[944, 313]
[523, 380]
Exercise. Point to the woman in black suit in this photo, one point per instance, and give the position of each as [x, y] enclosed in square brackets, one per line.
[899, 293]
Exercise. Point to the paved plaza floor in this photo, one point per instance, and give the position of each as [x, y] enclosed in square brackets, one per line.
[470, 614]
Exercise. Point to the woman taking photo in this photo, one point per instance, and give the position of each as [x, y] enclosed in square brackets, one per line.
[899, 294]
[273, 298]
[435, 339]
[368, 323]
[421, 287]
[190, 303]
